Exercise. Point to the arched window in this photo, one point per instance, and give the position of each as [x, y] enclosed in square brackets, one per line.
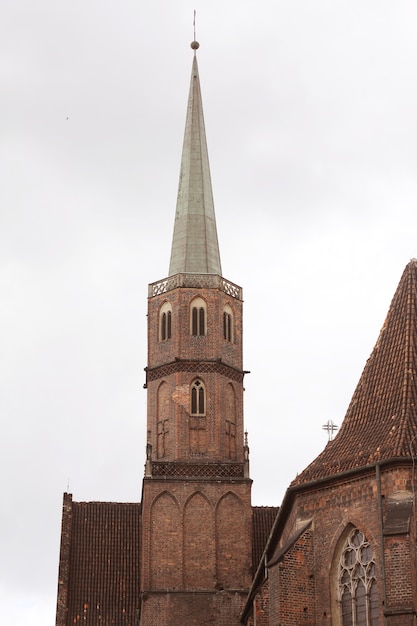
[358, 598]
[198, 399]
[228, 323]
[198, 317]
[165, 322]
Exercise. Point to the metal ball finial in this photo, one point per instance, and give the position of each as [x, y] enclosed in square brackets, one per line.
[195, 45]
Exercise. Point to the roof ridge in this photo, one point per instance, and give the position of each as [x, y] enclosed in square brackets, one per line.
[406, 424]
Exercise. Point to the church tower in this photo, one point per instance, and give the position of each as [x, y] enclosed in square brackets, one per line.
[196, 504]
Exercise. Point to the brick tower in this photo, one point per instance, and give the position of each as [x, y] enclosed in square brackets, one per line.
[196, 505]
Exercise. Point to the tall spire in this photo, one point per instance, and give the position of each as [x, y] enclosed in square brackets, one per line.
[195, 248]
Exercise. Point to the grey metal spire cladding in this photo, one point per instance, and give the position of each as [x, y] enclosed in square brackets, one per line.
[195, 248]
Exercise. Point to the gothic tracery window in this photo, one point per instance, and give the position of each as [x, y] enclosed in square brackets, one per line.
[198, 402]
[357, 582]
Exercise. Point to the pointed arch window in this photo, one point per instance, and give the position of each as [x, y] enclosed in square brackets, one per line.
[228, 323]
[165, 322]
[198, 317]
[198, 398]
[358, 600]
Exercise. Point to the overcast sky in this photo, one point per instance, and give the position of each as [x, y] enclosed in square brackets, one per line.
[310, 111]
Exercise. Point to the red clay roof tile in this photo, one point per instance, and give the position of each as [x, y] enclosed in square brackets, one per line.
[103, 585]
[262, 519]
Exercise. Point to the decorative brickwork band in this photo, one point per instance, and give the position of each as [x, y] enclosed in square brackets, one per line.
[198, 281]
[197, 470]
[199, 367]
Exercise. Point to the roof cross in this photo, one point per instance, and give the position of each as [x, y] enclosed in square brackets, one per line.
[331, 428]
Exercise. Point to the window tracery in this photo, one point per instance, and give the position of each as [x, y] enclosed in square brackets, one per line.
[198, 400]
[357, 582]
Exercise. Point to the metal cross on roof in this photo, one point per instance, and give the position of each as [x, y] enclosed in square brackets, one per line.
[331, 428]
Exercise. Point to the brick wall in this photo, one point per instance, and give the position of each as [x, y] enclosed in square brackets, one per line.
[292, 585]
[182, 344]
[219, 608]
[174, 364]
[303, 585]
[261, 607]
[196, 535]
[196, 549]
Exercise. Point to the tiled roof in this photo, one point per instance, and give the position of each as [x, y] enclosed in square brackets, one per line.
[262, 518]
[103, 585]
[381, 421]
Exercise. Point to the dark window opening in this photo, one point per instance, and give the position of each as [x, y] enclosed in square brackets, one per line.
[163, 326]
[166, 325]
[197, 399]
[227, 326]
[198, 321]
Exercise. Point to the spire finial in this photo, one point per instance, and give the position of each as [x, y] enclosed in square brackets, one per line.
[194, 44]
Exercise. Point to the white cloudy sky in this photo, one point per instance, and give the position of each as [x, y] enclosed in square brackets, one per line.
[311, 120]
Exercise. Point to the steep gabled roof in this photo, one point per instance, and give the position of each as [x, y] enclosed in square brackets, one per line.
[103, 575]
[263, 518]
[195, 247]
[381, 421]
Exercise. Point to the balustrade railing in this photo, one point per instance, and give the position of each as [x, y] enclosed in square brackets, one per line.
[199, 281]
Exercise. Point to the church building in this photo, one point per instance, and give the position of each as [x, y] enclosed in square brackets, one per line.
[340, 551]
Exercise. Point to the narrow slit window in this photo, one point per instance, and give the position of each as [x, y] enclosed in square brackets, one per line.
[195, 321]
[201, 407]
[201, 322]
[228, 324]
[163, 326]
